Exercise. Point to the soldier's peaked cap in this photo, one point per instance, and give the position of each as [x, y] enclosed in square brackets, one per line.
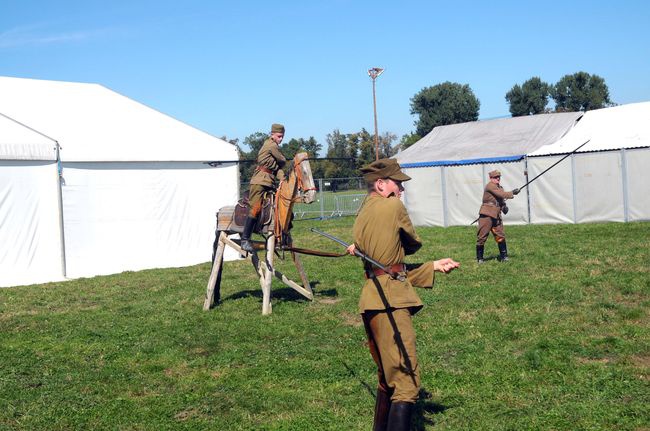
[383, 168]
[495, 173]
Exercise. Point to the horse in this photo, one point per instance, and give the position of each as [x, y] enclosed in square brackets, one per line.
[274, 224]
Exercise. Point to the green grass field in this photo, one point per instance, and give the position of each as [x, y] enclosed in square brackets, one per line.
[555, 339]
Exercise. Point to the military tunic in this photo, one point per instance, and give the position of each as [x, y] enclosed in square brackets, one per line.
[494, 199]
[270, 162]
[383, 231]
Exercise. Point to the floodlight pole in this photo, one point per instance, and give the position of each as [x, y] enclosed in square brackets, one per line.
[374, 73]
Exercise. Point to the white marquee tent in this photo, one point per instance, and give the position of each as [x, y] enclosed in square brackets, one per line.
[92, 182]
[605, 181]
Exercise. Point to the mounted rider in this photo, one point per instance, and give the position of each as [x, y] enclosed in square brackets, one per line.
[270, 162]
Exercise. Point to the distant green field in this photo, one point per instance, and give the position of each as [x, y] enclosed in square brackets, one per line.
[556, 339]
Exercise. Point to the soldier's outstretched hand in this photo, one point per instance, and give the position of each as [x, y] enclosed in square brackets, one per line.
[445, 265]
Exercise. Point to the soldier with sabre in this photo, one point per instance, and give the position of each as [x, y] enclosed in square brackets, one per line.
[384, 234]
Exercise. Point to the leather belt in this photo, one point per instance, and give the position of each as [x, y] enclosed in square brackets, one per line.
[264, 169]
[490, 204]
[395, 269]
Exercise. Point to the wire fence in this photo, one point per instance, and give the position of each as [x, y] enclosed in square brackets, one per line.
[335, 197]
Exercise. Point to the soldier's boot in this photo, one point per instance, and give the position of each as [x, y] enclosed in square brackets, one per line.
[382, 408]
[503, 251]
[479, 253]
[399, 418]
[246, 243]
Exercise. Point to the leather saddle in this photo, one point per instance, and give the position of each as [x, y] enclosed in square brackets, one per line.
[241, 212]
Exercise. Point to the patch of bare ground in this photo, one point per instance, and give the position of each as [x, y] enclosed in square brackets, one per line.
[595, 360]
[350, 319]
[186, 414]
[329, 301]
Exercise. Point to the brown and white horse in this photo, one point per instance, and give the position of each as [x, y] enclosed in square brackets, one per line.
[274, 224]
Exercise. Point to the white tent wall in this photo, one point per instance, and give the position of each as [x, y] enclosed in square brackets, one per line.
[30, 234]
[135, 190]
[551, 195]
[637, 178]
[598, 187]
[583, 188]
[463, 182]
[423, 196]
[451, 195]
[132, 216]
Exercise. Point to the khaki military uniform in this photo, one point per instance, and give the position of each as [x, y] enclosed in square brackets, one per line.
[270, 162]
[494, 197]
[383, 231]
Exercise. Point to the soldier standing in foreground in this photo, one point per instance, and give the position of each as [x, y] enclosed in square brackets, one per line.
[270, 162]
[489, 220]
[384, 232]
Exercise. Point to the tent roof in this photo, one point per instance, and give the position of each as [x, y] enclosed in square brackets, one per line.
[625, 126]
[488, 140]
[93, 123]
[19, 142]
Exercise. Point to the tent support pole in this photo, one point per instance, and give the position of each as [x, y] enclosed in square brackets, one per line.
[626, 202]
[445, 206]
[527, 188]
[59, 171]
[574, 188]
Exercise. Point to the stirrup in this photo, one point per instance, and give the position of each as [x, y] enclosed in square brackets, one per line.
[247, 246]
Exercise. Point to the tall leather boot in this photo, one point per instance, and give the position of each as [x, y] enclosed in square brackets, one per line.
[399, 418]
[382, 408]
[246, 243]
[479, 253]
[503, 251]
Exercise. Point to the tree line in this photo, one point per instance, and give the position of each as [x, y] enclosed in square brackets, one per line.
[351, 151]
[438, 105]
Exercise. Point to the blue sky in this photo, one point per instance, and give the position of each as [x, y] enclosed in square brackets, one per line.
[234, 67]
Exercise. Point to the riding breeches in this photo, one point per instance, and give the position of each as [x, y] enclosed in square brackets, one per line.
[256, 196]
[487, 224]
[397, 375]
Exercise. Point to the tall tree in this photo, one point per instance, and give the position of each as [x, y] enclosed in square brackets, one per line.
[530, 98]
[442, 104]
[359, 147]
[580, 92]
[408, 140]
[386, 148]
[310, 146]
[337, 146]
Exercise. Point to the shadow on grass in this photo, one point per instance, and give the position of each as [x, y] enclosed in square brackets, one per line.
[281, 294]
[284, 294]
[424, 407]
[371, 392]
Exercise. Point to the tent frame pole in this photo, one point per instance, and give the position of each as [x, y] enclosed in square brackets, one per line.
[443, 186]
[527, 188]
[60, 181]
[574, 188]
[626, 202]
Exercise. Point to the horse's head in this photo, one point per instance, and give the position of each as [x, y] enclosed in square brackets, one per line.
[306, 184]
